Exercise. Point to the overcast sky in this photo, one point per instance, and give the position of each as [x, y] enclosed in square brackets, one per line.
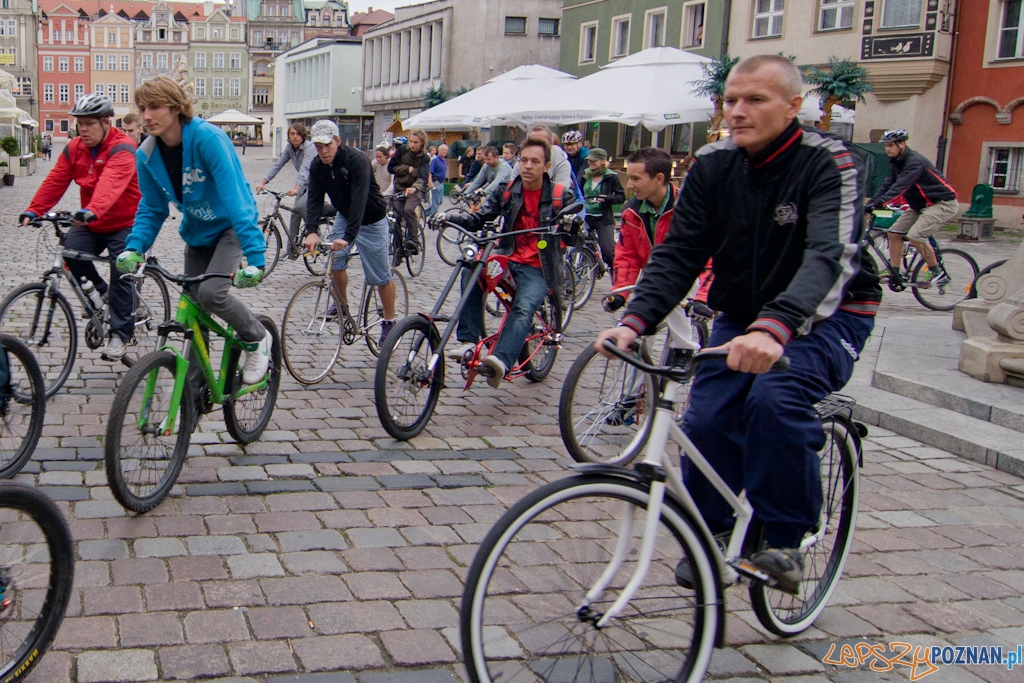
[362, 5]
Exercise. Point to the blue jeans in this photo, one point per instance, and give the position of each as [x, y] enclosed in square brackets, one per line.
[531, 288]
[436, 197]
[372, 241]
[761, 433]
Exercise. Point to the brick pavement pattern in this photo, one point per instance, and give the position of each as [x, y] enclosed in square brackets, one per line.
[329, 552]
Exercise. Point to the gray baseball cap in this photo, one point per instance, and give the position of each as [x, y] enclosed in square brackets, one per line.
[324, 132]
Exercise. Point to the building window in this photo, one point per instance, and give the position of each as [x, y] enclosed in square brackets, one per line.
[47, 63]
[1005, 168]
[218, 60]
[200, 60]
[64, 92]
[111, 39]
[693, 24]
[257, 37]
[547, 27]
[79, 65]
[25, 86]
[55, 34]
[1011, 32]
[200, 32]
[177, 36]
[161, 34]
[62, 64]
[901, 14]
[218, 32]
[200, 87]
[620, 36]
[588, 42]
[261, 96]
[515, 26]
[126, 94]
[218, 87]
[47, 92]
[768, 18]
[234, 33]
[10, 29]
[161, 60]
[111, 91]
[312, 20]
[654, 27]
[270, 10]
[111, 62]
[234, 87]
[126, 62]
[79, 91]
[147, 60]
[236, 60]
[63, 125]
[98, 63]
[99, 89]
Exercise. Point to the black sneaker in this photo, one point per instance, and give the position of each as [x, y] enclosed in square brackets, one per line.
[624, 412]
[784, 565]
[412, 248]
[684, 572]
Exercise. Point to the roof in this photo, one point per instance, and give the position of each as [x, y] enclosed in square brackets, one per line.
[133, 9]
[377, 16]
[254, 9]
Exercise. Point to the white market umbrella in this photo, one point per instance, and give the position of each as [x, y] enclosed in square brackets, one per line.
[492, 100]
[811, 111]
[7, 81]
[652, 87]
[234, 117]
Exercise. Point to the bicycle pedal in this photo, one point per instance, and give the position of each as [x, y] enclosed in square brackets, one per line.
[747, 569]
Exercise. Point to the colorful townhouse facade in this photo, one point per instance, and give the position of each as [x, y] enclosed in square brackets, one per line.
[219, 73]
[63, 46]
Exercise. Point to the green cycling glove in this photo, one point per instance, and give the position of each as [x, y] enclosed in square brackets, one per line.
[249, 276]
[128, 261]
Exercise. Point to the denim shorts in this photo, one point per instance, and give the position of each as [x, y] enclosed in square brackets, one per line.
[372, 241]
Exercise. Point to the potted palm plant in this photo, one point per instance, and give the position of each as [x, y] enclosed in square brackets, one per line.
[841, 81]
[12, 149]
[713, 85]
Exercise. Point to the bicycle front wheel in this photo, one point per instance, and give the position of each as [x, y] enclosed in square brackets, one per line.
[373, 310]
[247, 415]
[22, 409]
[584, 268]
[37, 571]
[143, 451]
[272, 234]
[961, 269]
[526, 614]
[414, 262]
[311, 333]
[47, 326]
[152, 307]
[605, 408]
[405, 389]
[826, 549]
[537, 356]
[449, 244]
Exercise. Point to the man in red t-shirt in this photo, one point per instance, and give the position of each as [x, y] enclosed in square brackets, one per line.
[525, 203]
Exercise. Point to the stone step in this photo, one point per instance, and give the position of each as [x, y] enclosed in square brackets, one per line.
[969, 437]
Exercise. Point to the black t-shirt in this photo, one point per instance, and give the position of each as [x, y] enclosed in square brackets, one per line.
[172, 162]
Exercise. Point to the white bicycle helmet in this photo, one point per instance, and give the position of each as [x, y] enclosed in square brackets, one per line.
[573, 137]
[93, 105]
[895, 135]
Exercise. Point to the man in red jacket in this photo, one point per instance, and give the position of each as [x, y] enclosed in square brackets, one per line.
[102, 161]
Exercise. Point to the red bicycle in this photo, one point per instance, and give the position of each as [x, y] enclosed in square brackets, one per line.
[410, 369]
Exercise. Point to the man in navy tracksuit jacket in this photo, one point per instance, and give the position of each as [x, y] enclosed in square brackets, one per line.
[779, 210]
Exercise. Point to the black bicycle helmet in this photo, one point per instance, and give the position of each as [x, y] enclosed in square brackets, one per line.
[93, 105]
[895, 135]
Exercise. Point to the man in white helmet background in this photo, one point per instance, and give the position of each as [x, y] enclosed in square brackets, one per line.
[102, 161]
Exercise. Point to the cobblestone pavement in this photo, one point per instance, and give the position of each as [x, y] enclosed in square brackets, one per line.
[330, 552]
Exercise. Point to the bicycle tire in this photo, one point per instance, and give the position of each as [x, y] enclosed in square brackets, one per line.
[414, 262]
[316, 263]
[537, 368]
[40, 531]
[449, 244]
[20, 315]
[584, 266]
[311, 340]
[787, 615]
[23, 411]
[248, 415]
[373, 311]
[973, 292]
[566, 297]
[520, 616]
[272, 235]
[152, 307]
[402, 377]
[962, 270]
[605, 408]
[128, 467]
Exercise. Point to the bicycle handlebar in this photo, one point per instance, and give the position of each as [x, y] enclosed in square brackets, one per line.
[674, 373]
[186, 279]
[58, 219]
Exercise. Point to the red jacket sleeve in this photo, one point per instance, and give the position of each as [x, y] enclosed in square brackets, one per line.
[118, 174]
[627, 265]
[54, 186]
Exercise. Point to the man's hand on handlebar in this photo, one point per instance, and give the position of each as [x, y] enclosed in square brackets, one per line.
[129, 260]
[27, 217]
[339, 245]
[83, 217]
[294, 191]
[259, 187]
[623, 337]
[312, 239]
[754, 352]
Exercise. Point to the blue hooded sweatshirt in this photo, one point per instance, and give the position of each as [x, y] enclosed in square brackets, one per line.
[215, 194]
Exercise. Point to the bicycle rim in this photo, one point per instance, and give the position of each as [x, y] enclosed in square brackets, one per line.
[961, 269]
[152, 307]
[521, 616]
[373, 310]
[405, 390]
[537, 357]
[23, 410]
[142, 462]
[414, 263]
[449, 245]
[249, 414]
[605, 409]
[272, 235]
[36, 574]
[311, 337]
[26, 313]
[785, 614]
[584, 265]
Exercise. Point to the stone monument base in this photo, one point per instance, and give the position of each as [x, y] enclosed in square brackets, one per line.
[982, 358]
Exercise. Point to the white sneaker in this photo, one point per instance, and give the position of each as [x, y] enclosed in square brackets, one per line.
[460, 351]
[114, 350]
[257, 362]
[497, 371]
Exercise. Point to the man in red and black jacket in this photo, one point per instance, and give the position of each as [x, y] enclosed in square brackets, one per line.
[102, 161]
[779, 209]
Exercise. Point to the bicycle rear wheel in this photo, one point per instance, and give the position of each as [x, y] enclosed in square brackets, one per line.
[249, 414]
[522, 616]
[142, 462]
[311, 335]
[584, 268]
[785, 614]
[373, 311]
[23, 409]
[405, 389]
[316, 263]
[961, 268]
[272, 234]
[46, 324]
[37, 571]
[539, 366]
[414, 262]
[152, 307]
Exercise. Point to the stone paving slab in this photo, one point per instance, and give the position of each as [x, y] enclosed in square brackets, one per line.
[329, 552]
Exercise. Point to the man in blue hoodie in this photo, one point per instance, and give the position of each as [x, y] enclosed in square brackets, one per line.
[193, 164]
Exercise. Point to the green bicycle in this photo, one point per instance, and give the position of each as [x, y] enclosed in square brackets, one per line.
[159, 402]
